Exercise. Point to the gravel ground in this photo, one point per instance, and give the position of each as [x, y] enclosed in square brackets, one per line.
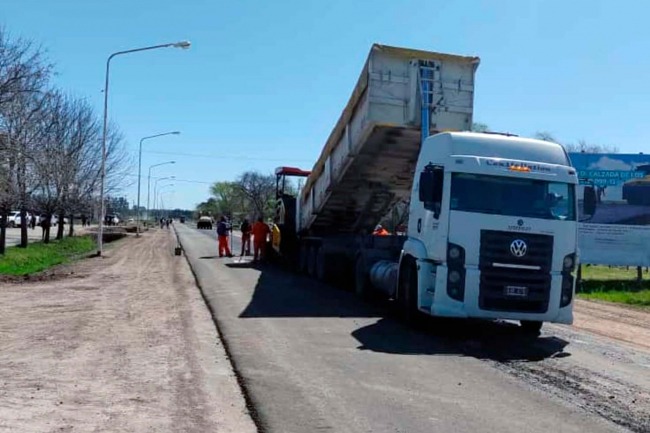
[123, 343]
[605, 367]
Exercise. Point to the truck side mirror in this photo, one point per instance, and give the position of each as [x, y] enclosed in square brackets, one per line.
[426, 186]
[438, 180]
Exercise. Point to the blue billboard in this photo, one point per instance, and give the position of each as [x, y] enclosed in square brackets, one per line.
[614, 208]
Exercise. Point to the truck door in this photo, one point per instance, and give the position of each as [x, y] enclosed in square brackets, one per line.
[429, 218]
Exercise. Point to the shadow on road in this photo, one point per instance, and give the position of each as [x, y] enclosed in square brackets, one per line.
[279, 293]
[498, 341]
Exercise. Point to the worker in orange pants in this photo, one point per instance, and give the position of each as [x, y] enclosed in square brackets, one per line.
[222, 234]
[260, 232]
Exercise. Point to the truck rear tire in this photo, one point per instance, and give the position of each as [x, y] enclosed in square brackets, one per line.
[531, 327]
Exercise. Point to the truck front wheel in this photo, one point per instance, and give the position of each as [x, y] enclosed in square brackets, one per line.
[408, 289]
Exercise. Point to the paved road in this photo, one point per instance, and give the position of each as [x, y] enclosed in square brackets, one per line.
[315, 358]
[13, 235]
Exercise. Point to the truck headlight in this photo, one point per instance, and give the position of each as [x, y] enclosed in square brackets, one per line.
[567, 290]
[569, 263]
[454, 277]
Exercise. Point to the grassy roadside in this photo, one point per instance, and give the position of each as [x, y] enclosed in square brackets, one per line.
[39, 256]
[615, 284]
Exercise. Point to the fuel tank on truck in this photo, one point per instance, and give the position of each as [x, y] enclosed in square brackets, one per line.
[368, 160]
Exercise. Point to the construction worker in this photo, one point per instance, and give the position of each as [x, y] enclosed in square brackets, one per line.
[222, 234]
[245, 238]
[260, 233]
[380, 231]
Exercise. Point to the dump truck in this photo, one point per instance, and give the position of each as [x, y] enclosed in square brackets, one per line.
[492, 230]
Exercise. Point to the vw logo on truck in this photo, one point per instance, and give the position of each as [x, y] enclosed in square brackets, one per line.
[518, 248]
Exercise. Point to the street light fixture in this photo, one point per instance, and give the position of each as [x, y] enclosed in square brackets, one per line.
[155, 188]
[160, 193]
[137, 229]
[149, 181]
[162, 203]
[100, 230]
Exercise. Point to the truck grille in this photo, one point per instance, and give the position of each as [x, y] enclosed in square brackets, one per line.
[495, 248]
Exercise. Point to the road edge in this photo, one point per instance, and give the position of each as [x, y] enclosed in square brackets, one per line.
[250, 407]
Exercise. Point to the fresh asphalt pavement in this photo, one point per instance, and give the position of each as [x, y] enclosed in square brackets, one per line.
[312, 357]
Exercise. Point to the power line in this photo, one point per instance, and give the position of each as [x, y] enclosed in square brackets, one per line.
[236, 157]
[174, 179]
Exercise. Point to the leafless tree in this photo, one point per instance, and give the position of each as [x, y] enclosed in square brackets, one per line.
[582, 146]
[50, 144]
[24, 73]
[23, 68]
[21, 121]
[258, 189]
[545, 135]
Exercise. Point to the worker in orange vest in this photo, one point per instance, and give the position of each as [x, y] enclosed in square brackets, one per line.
[222, 234]
[260, 232]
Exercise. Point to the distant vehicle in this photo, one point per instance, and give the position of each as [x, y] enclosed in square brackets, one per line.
[111, 220]
[205, 222]
[55, 220]
[14, 219]
[182, 220]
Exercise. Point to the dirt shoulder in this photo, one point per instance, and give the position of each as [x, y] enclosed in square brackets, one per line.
[627, 324]
[124, 343]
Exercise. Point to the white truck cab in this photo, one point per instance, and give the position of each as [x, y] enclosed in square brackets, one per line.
[492, 230]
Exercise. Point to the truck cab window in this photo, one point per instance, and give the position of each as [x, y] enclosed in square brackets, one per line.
[431, 183]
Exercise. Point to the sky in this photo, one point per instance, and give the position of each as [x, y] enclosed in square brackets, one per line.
[265, 81]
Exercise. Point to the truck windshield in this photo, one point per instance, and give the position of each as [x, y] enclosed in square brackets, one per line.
[512, 196]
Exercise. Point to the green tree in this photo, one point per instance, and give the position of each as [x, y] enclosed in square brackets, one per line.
[480, 127]
[228, 198]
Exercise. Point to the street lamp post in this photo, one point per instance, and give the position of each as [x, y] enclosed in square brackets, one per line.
[157, 198]
[102, 174]
[137, 227]
[149, 181]
[155, 187]
[162, 203]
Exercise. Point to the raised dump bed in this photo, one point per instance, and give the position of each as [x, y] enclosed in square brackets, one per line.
[368, 160]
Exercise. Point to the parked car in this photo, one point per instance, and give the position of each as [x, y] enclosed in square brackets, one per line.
[55, 220]
[205, 222]
[14, 219]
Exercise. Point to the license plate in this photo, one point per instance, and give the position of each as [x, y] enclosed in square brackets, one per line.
[518, 291]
